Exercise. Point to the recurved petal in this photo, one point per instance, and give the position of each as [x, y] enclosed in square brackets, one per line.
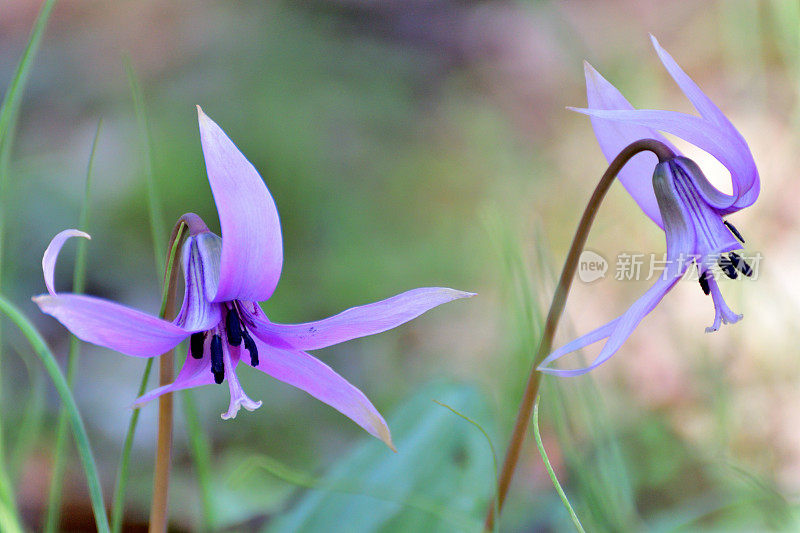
[359, 321]
[617, 331]
[51, 256]
[195, 372]
[699, 100]
[301, 370]
[614, 136]
[112, 325]
[252, 248]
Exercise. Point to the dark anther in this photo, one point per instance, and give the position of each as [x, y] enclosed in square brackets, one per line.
[251, 347]
[217, 364]
[196, 344]
[233, 327]
[704, 283]
[726, 265]
[734, 231]
[740, 264]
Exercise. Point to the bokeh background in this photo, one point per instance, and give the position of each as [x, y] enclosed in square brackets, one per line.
[412, 144]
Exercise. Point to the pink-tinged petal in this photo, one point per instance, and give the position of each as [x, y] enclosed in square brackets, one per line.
[746, 182]
[252, 250]
[590, 338]
[200, 257]
[311, 375]
[727, 148]
[699, 100]
[613, 136]
[238, 398]
[112, 325]
[617, 330]
[357, 321]
[51, 256]
[195, 372]
[722, 313]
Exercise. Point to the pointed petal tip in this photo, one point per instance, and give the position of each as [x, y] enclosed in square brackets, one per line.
[653, 40]
[383, 433]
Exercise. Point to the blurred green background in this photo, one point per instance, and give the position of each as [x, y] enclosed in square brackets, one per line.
[412, 144]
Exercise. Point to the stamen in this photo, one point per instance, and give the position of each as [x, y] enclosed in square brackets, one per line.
[233, 328]
[217, 364]
[726, 265]
[196, 344]
[740, 264]
[250, 345]
[734, 231]
[704, 283]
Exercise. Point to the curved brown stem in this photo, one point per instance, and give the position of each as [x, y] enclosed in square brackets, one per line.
[557, 309]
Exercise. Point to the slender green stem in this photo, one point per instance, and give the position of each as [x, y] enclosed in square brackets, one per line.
[53, 515]
[157, 228]
[9, 110]
[159, 510]
[574, 517]
[123, 472]
[557, 309]
[201, 454]
[81, 439]
[120, 488]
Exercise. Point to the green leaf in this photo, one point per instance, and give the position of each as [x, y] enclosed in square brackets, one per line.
[440, 479]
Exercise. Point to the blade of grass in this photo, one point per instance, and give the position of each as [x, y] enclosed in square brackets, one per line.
[79, 430]
[118, 506]
[30, 423]
[496, 525]
[301, 479]
[9, 110]
[53, 512]
[157, 228]
[561, 494]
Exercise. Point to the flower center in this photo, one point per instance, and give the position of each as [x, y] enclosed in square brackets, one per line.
[234, 332]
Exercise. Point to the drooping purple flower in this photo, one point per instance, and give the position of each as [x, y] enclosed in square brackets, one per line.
[677, 197]
[224, 280]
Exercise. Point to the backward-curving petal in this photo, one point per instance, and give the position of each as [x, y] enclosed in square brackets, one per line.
[613, 136]
[728, 148]
[252, 249]
[617, 331]
[195, 372]
[51, 256]
[746, 182]
[301, 370]
[357, 321]
[112, 325]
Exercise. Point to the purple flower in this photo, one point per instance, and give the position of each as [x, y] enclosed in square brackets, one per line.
[224, 280]
[678, 198]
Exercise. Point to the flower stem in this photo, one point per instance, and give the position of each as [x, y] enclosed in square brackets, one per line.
[557, 309]
[166, 374]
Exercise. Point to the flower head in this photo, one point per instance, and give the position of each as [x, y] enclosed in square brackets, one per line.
[677, 197]
[224, 279]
